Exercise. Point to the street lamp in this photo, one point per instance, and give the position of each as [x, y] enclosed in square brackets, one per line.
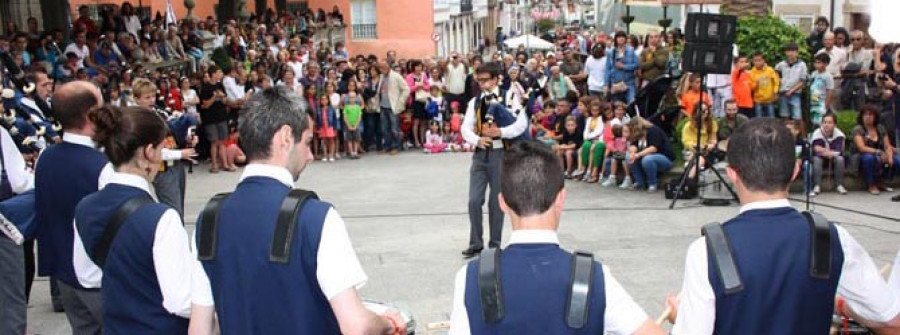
[627, 19]
[665, 22]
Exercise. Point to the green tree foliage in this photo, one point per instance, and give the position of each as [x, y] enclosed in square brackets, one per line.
[220, 57]
[769, 34]
[545, 25]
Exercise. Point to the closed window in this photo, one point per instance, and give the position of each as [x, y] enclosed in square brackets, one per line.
[362, 14]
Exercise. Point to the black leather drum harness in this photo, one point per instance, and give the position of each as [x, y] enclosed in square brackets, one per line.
[579, 287]
[720, 249]
[279, 251]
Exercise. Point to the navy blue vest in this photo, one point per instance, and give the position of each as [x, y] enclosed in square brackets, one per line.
[503, 117]
[535, 288]
[132, 300]
[65, 174]
[772, 252]
[253, 295]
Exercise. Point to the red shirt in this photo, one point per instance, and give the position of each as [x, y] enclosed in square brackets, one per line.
[88, 24]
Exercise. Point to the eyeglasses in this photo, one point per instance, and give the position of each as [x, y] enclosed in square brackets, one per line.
[483, 79]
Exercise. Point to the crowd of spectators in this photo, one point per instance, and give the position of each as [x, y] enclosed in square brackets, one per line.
[603, 101]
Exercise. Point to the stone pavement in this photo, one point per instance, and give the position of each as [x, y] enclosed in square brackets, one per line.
[407, 218]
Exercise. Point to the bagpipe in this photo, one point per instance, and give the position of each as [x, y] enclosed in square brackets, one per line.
[29, 130]
[27, 117]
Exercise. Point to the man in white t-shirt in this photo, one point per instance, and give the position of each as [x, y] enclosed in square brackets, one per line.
[79, 48]
[595, 69]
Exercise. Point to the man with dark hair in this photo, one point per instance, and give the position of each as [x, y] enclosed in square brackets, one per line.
[313, 288]
[66, 173]
[485, 127]
[535, 272]
[214, 114]
[778, 290]
[814, 41]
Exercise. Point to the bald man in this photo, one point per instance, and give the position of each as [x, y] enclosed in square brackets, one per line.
[66, 173]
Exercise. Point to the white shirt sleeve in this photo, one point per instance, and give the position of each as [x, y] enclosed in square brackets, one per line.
[516, 128]
[19, 178]
[894, 279]
[623, 315]
[89, 274]
[338, 267]
[201, 290]
[861, 285]
[697, 307]
[171, 154]
[468, 124]
[459, 317]
[172, 262]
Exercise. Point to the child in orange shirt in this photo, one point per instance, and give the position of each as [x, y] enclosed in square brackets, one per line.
[742, 86]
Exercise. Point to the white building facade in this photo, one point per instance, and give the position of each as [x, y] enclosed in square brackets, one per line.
[850, 14]
[459, 25]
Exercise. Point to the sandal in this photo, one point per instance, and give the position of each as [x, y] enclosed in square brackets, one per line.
[874, 190]
[230, 169]
[593, 180]
[213, 170]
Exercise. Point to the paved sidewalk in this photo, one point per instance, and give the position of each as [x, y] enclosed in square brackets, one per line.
[407, 218]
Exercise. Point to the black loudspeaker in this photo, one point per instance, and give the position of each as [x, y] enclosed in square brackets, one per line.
[710, 28]
[707, 58]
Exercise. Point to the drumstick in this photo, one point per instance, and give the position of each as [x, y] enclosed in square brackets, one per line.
[665, 314]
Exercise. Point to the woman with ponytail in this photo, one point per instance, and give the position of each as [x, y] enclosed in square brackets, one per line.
[132, 247]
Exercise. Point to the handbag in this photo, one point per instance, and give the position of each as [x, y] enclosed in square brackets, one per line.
[619, 87]
[422, 96]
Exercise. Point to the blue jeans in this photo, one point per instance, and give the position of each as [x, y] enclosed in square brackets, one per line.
[871, 166]
[390, 125]
[372, 130]
[764, 109]
[645, 171]
[789, 106]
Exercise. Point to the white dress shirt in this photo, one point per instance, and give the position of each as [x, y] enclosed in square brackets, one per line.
[623, 315]
[338, 267]
[511, 131]
[171, 256]
[233, 91]
[860, 284]
[20, 179]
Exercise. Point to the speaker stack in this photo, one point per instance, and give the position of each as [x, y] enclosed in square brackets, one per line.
[709, 43]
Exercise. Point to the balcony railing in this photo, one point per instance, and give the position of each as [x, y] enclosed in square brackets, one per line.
[365, 31]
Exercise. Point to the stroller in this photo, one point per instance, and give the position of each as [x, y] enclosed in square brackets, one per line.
[648, 104]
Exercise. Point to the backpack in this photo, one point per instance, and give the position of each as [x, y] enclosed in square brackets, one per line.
[432, 108]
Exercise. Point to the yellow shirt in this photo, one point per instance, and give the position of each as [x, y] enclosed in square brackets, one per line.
[765, 84]
[689, 135]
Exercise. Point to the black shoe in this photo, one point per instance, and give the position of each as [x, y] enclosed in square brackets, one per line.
[58, 307]
[895, 198]
[469, 253]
